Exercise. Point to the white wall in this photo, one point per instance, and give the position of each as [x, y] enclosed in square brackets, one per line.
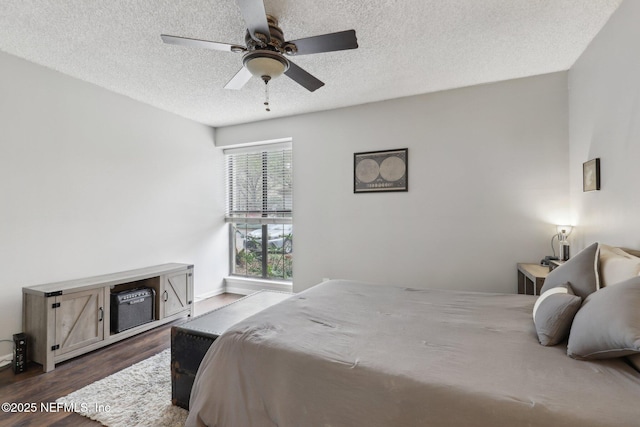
[92, 182]
[488, 177]
[604, 101]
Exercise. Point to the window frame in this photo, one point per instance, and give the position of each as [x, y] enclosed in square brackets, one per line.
[264, 216]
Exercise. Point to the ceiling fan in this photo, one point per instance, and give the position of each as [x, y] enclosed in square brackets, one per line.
[266, 51]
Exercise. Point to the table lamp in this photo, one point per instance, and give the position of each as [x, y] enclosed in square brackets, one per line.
[563, 242]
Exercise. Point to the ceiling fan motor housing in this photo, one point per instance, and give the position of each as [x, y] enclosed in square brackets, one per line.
[275, 33]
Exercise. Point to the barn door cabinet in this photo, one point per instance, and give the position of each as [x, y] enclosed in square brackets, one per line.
[177, 293]
[66, 319]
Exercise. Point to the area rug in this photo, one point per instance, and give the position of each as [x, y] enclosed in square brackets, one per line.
[139, 395]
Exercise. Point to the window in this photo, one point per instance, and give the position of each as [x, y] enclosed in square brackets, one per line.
[259, 210]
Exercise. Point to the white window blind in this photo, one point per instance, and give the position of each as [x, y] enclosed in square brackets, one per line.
[259, 183]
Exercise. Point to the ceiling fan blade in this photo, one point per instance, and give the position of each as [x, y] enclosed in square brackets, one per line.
[326, 43]
[239, 80]
[184, 41]
[255, 17]
[303, 78]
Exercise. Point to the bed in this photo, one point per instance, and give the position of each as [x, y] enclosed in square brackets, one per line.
[346, 353]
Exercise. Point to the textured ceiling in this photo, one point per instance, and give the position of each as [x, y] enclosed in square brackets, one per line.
[406, 48]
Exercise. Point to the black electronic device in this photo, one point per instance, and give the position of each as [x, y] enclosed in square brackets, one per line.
[132, 308]
[19, 352]
[546, 260]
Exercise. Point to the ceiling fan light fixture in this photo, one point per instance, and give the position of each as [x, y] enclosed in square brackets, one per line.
[266, 47]
[268, 64]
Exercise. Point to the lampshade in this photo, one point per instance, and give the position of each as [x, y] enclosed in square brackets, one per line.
[564, 229]
[265, 64]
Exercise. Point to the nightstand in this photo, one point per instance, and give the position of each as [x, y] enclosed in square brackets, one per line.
[531, 278]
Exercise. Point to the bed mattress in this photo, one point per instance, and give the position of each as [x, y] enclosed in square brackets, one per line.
[346, 353]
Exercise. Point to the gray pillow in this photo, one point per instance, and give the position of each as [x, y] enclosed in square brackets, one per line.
[579, 271]
[608, 323]
[553, 313]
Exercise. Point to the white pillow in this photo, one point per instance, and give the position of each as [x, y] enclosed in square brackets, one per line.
[616, 265]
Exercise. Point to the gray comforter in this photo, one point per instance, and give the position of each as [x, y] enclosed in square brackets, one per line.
[352, 354]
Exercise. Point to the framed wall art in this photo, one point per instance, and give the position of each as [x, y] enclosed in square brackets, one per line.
[377, 171]
[591, 175]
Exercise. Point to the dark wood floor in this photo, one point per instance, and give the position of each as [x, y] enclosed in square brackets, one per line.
[34, 386]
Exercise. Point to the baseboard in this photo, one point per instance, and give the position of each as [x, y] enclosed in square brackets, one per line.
[210, 294]
[245, 286]
[8, 358]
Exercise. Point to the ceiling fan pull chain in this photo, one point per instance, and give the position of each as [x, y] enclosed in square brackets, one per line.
[266, 92]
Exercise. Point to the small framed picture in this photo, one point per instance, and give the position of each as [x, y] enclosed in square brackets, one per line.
[377, 171]
[591, 175]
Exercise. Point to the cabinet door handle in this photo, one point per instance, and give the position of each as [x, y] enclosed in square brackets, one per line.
[101, 314]
[165, 296]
